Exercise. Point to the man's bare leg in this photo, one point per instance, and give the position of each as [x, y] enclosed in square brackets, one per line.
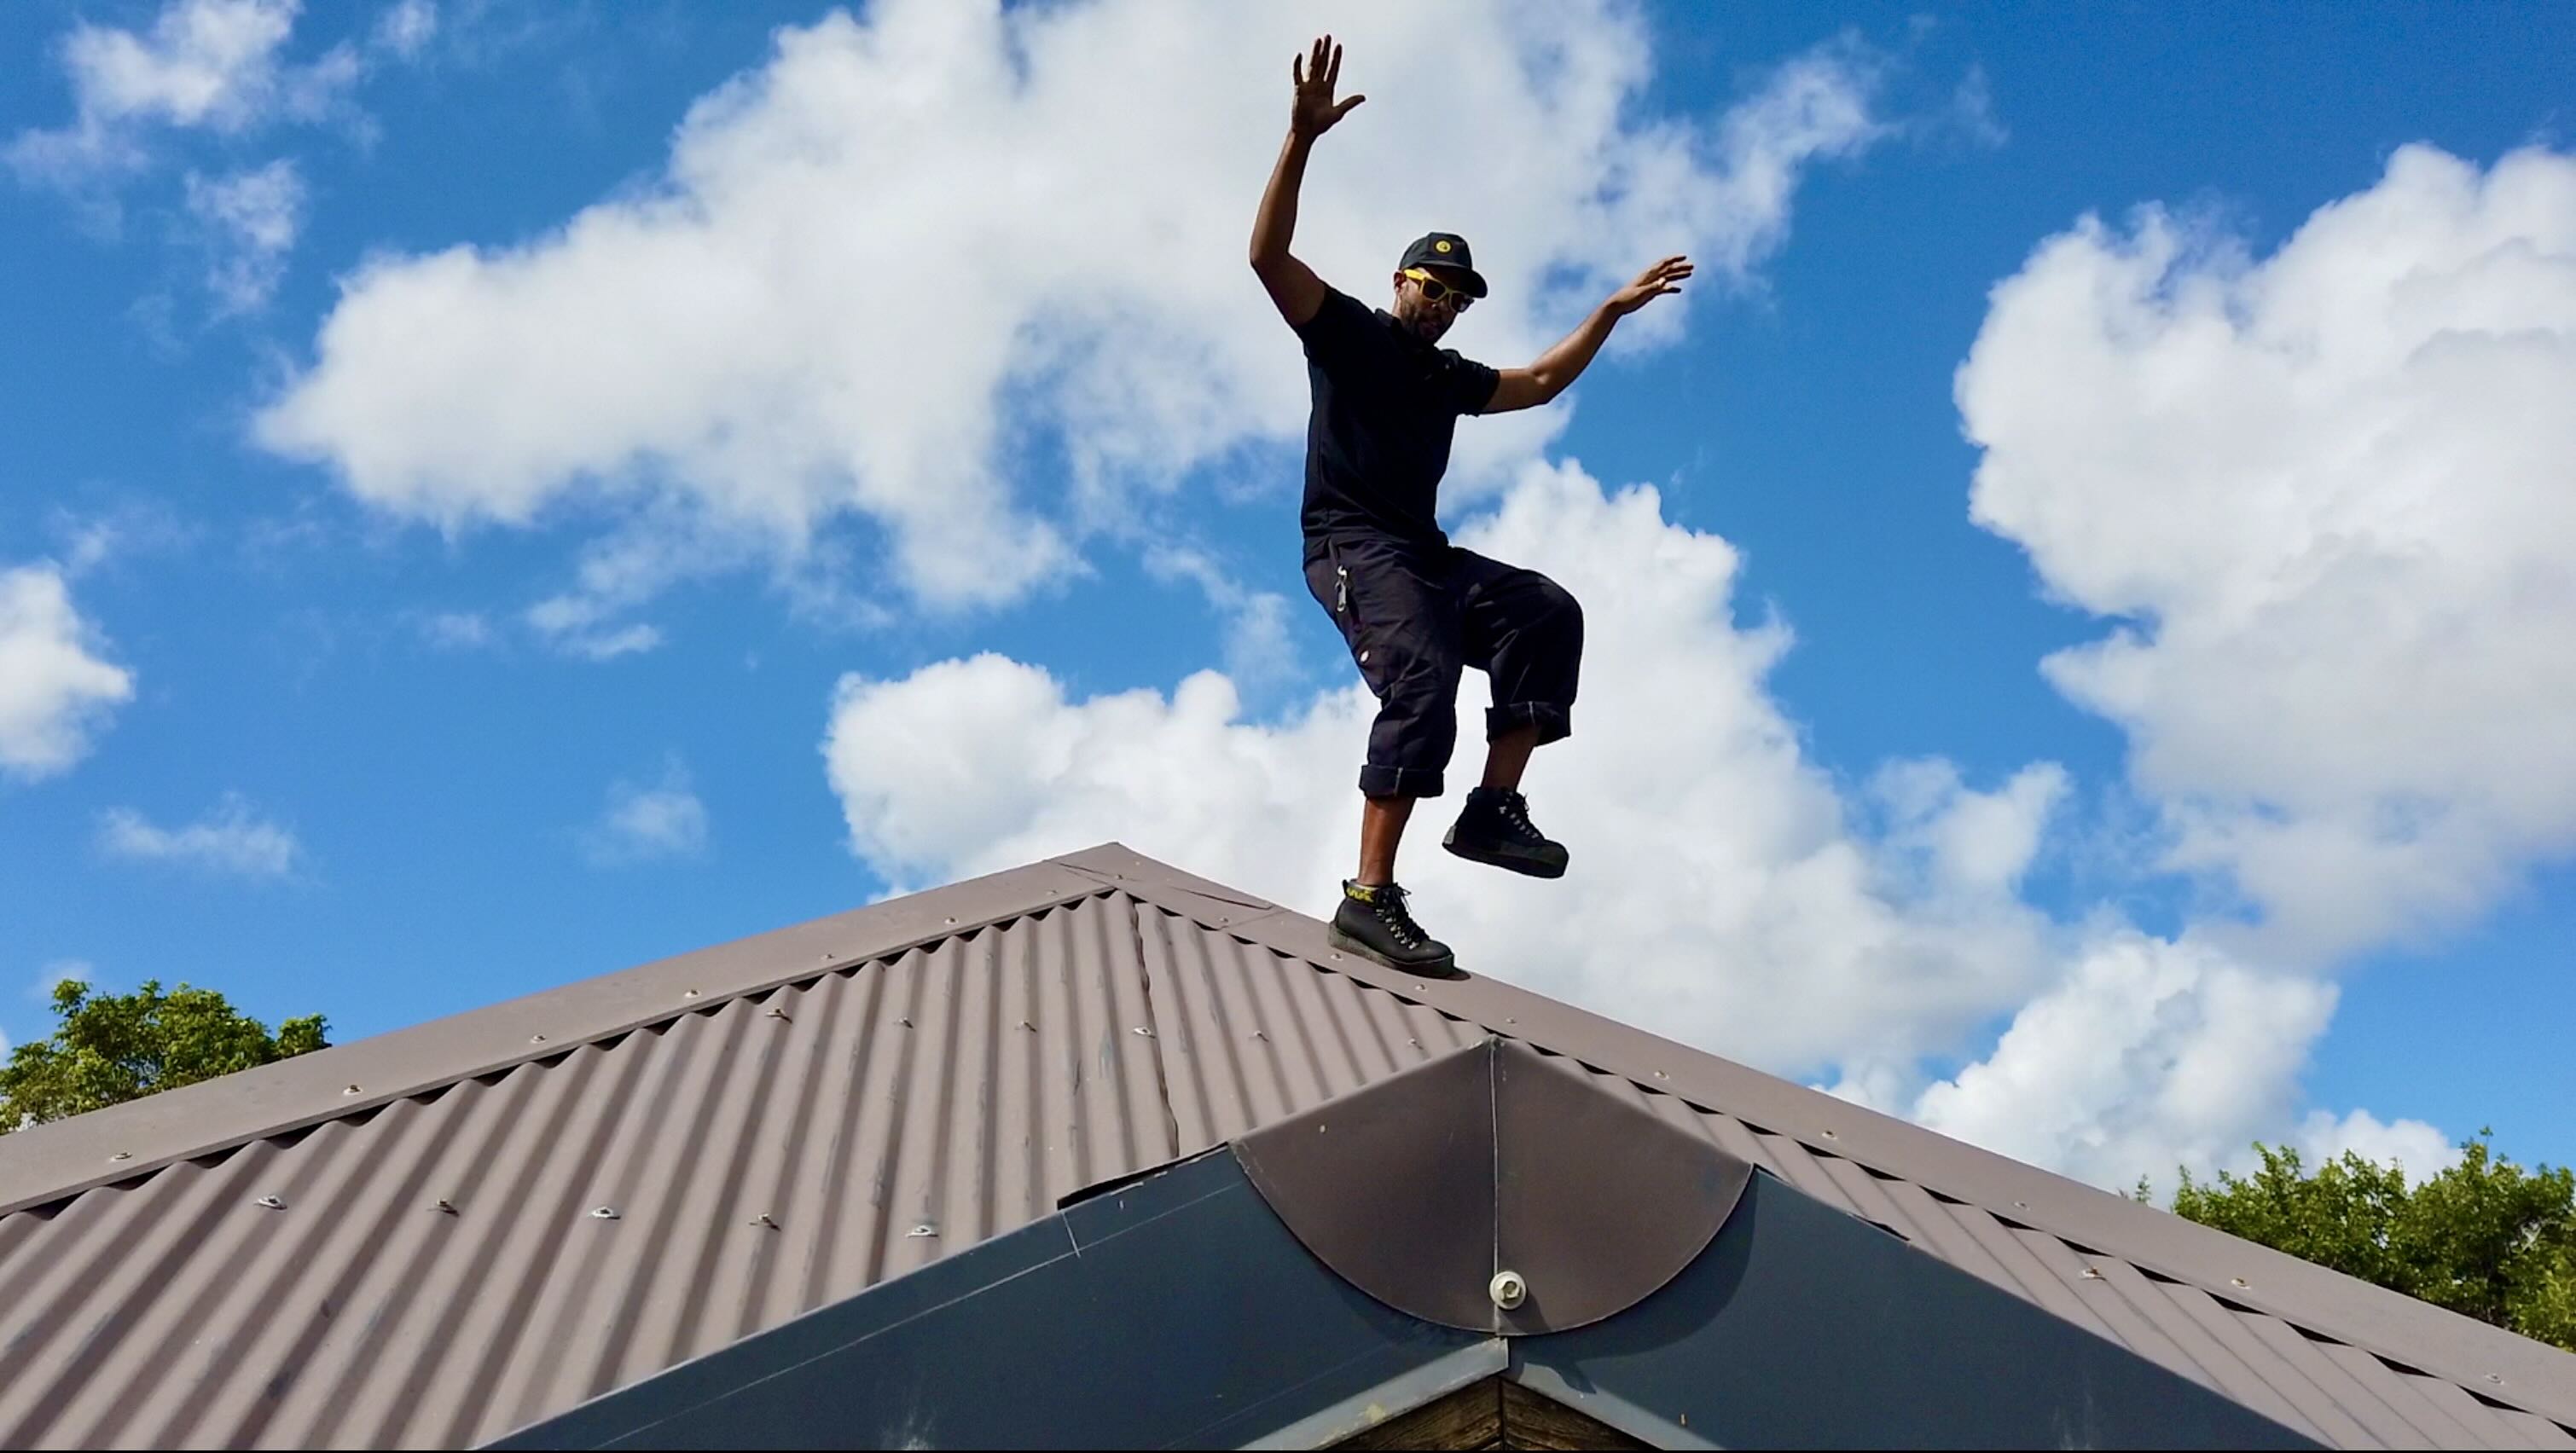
[1382, 822]
[1507, 756]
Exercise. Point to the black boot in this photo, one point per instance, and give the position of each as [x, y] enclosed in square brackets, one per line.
[1372, 922]
[1494, 827]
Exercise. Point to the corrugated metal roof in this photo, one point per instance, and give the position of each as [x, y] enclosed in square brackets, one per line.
[445, 1233]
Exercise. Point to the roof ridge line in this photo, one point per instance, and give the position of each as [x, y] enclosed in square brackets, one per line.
[2542, 1378]
[47, 1163]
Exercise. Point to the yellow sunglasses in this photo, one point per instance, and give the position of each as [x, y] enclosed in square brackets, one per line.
[1433, 290]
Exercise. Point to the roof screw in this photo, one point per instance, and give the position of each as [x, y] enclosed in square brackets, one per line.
[952, 920]
[1507, 1019]
[1141, 1029]
[906, 1022]
[763, 1220]
[1417, 1044]
[2491, 1377]
[603, 1213]
[350, 1091]
[536, 1039]
[1659, 1074]
[924, 1229]
[2091, 1274]
[445, 1208]
[1829, 1135]
[779, 1014]
[272, 1203]
[1031, 1028]
[2236, 1281]
[688, 993]
[122, 1155]
[1261, 1034]
[1507, 1289]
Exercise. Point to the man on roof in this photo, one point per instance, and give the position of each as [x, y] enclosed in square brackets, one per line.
[1415, 609]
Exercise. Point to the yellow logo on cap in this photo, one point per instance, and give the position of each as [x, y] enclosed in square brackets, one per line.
[1440, 246]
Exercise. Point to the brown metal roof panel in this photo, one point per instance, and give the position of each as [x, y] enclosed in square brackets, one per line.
[2285, 1376]
[2505, 1427]
[2111, 1308]
[44, 1162]
[1738, 1139]
[2487, 1425]
[2386, 1425]
[1804, 1169]
[2034, 1278]
[380, 1342]
[110, 1256]
[1257, 1035]
[2541, 1431]
[2467, 1425]
[2223, 1366]
[1235, 1051]
[1937, 1230]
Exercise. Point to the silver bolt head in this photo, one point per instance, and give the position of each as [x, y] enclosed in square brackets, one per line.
[1507, 1289]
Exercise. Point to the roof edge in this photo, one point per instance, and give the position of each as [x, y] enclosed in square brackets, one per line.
[2492, 1362]
[44, 1163]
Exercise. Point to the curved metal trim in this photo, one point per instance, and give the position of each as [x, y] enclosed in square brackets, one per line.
[1419, 1189]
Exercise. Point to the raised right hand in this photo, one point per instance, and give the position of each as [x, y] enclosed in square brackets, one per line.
[1315, 75]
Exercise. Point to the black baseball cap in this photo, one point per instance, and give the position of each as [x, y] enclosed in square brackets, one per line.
[1447, 250]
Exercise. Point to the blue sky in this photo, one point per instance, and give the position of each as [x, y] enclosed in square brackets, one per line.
[300, 515]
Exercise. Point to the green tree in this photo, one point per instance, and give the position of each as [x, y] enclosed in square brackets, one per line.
[2485, 1238]
[110, 1048]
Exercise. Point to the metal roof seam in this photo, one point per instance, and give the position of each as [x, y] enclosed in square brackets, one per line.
[1153, 1026]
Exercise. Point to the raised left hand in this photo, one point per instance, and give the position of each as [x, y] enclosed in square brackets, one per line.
[1664, 277]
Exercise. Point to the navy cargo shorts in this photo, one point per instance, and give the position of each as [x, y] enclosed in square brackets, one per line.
[1415, 616]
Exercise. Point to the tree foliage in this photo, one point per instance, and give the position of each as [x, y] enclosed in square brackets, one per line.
[2485, 1238]
[110, 1048]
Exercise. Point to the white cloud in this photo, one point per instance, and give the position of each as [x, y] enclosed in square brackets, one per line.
[233, 838]
[1257, 645]
[2324, 496]
[250, 220]
[572, 624]
[2417, 1148]
[213, 64]
[2149, 1054]
[1722, 891]
[55, 689]
[882, 269]
[405, 27]
[455, 630]
[643, 823]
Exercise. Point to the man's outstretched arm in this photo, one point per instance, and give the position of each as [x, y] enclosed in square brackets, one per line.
[1527, 388]
[1292, 284]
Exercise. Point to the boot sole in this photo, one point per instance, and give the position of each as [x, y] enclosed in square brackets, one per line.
[1529, 867]
[1440, 968]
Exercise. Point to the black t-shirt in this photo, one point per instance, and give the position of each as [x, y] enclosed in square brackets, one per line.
[1386, 404]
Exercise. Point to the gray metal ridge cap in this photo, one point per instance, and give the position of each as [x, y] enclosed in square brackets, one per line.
[2483, 1359]
[1117, 865]
[44, 1163]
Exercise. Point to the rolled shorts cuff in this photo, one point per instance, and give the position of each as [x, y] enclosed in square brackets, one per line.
[1554, 723]
[1377, 781]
